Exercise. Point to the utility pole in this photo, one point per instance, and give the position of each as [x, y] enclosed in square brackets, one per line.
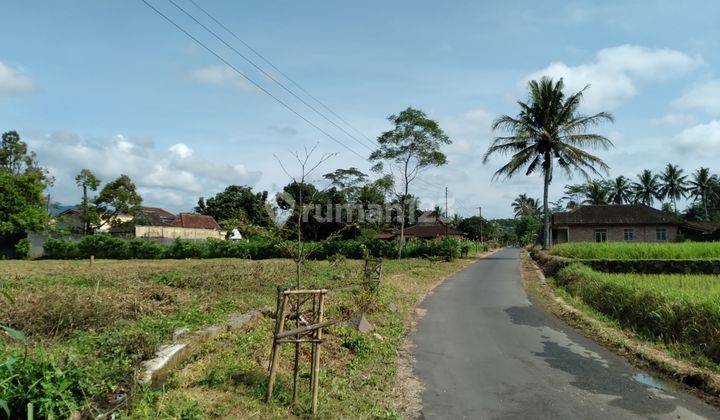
[481, 224]
[446, 212]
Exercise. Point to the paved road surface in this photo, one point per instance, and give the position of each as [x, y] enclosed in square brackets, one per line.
[485, 351]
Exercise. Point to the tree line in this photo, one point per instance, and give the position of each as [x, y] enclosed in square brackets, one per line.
[412, 144]
[701, 187]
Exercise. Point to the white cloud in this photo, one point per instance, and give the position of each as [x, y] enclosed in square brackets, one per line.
[173, 178]
[220, 76]
[616, 71]
[181, 150]
[705, 96]
[675, 119]
[702, 140]
[12, 81]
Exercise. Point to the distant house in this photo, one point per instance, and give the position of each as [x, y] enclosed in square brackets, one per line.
[701, 231]
[430, 226]
[615, 223]
[195, 221]
[165, 225]
[154, 216]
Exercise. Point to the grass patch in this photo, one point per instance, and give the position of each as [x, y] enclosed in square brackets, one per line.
[90, 326]
[682, 312]
[638, 251]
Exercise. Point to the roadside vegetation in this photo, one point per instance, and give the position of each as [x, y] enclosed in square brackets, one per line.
[108, 246]
[680, 312]
[90, 326]
[638, 251]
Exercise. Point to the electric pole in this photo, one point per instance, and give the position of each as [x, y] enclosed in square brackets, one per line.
[446, 212]
[481, 224]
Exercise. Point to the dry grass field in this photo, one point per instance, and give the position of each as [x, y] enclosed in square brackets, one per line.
[90, 326]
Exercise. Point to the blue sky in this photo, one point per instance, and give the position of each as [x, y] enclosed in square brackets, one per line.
[112, 87]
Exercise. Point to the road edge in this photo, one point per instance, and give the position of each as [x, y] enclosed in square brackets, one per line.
[408, 387]
[701, 382]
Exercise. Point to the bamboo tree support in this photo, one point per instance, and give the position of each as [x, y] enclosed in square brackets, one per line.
[315, 375]
[295, 336]
[372, 274]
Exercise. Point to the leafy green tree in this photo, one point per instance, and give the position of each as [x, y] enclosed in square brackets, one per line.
[673, 184]
[15, 156]
[413, 144]
[528, 228]
[238, 203]
[22, 183]
[647, 188]
[348, 181]
[703, 187]
[620, 191]
[475, 226]
[89, 215]
[117, 197]
[549, 130]
[22, 204]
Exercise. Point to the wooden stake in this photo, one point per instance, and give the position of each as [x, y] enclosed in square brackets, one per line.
[316, 357]
[280, 322]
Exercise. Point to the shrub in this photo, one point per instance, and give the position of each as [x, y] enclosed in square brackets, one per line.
[56, 388]
[22, 248]
[107, 246]
[61, 249]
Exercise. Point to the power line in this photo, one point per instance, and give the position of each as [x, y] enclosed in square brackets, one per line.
[257, 85]
[219, 57]
[223, 26]
[268, 75]
[266, 60]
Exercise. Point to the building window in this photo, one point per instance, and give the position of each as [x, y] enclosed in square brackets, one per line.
[629, 234]
[600, 235]
[661, 234]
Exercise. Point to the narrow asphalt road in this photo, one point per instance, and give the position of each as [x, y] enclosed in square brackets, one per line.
[483, 350]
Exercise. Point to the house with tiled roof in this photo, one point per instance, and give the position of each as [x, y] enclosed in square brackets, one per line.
[430, 226]
[154, 222]
[615, 223]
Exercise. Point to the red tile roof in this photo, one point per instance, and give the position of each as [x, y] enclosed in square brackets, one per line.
[384, 235]
[431, 230]
[195, 221]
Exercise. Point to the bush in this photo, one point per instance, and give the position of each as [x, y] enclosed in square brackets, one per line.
[107, 246]
[56, 388]
[22, 248]
[672, 308]
[61, 249]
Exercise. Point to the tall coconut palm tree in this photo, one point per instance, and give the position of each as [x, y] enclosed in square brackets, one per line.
[596, 193]
[702, 187]
[574, 195]
[647, 188]
[524, 205]
[620, 191]
[549, 130]
[673, 184]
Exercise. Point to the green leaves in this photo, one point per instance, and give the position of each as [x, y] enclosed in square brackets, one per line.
[13, 333]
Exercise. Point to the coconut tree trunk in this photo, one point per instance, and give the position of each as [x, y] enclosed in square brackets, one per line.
[546, 213]
[86, 226]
